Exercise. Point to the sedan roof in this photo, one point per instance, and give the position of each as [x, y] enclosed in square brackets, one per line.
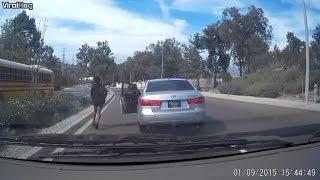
[167, 79]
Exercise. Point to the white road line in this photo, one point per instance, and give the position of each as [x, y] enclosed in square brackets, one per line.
[80, 130]
[120, 102]
[243, 151]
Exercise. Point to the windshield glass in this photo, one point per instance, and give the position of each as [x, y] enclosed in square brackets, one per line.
[171, 85]
[159, 80]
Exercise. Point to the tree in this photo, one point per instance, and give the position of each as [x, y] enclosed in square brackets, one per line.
[172, 57]
[143, 66]
[277, 60]
[193, 64]
[294, 52]
[210, 39]
[147, 64]
[96, 60]
[48, 59]
[246, 36]
[315, 45]
[21, 39]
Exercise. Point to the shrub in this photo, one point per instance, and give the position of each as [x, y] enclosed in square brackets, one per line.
[315, 78]
[64, 103]
[263, 89]
[291, 74]
[236, 87]
[268, 83]
[292, 87]
[39, 111]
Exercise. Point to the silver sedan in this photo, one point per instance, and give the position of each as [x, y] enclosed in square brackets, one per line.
[170, 101]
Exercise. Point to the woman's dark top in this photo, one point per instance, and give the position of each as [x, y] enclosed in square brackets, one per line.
[98, 94]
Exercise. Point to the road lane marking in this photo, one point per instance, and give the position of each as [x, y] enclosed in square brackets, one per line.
[120, 102]
[80, 130]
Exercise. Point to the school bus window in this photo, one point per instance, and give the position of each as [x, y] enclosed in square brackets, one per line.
[8, 74]
[20, 75]
[49, 78]
[2, 73]
[14, 75]
[39, 77]
[28, 76]
[24, 75]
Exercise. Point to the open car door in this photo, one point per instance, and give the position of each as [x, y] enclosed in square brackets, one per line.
[129, 98]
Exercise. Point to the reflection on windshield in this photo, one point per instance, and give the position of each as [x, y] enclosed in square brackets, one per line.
[202, 79]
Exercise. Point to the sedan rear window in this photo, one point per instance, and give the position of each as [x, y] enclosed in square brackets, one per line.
[170, 85]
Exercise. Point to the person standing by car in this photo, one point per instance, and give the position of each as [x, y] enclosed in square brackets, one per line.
[98, 96]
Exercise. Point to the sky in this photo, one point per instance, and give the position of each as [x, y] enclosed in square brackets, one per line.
[131, 25]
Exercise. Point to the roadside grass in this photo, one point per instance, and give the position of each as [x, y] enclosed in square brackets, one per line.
[269, 83]
[38, 112]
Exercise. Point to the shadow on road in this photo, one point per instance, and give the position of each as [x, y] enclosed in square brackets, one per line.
[283, 132]
[110, 126]
[211, 126]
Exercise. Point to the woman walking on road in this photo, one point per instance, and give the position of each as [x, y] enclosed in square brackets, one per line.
[98, 97]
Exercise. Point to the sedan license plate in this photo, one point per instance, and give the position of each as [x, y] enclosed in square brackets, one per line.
[174, 104]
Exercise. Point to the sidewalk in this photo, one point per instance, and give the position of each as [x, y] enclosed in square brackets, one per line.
[267, 101]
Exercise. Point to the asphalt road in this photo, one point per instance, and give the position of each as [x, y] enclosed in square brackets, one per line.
[223, 117]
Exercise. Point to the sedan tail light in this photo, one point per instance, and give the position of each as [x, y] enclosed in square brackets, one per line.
[198, 100]
[148, 102]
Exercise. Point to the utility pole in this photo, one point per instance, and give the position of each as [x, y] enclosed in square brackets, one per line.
[113, 77]
[76, 78]
[161, 60]
[306, 92]
[64, 69]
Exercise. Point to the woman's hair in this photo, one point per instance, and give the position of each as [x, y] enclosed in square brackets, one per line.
[96, 80]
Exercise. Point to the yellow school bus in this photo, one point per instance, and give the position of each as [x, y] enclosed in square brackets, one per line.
[18, 79]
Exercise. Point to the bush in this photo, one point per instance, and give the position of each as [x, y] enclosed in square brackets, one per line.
[39, 111]
[315, 78]
[64, 103]
[236, 87]
[263, 89]
[292, 87]
[267, 83]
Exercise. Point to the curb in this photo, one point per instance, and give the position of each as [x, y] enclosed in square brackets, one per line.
[266, 101]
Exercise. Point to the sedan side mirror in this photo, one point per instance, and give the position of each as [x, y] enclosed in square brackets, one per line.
[198, 88]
